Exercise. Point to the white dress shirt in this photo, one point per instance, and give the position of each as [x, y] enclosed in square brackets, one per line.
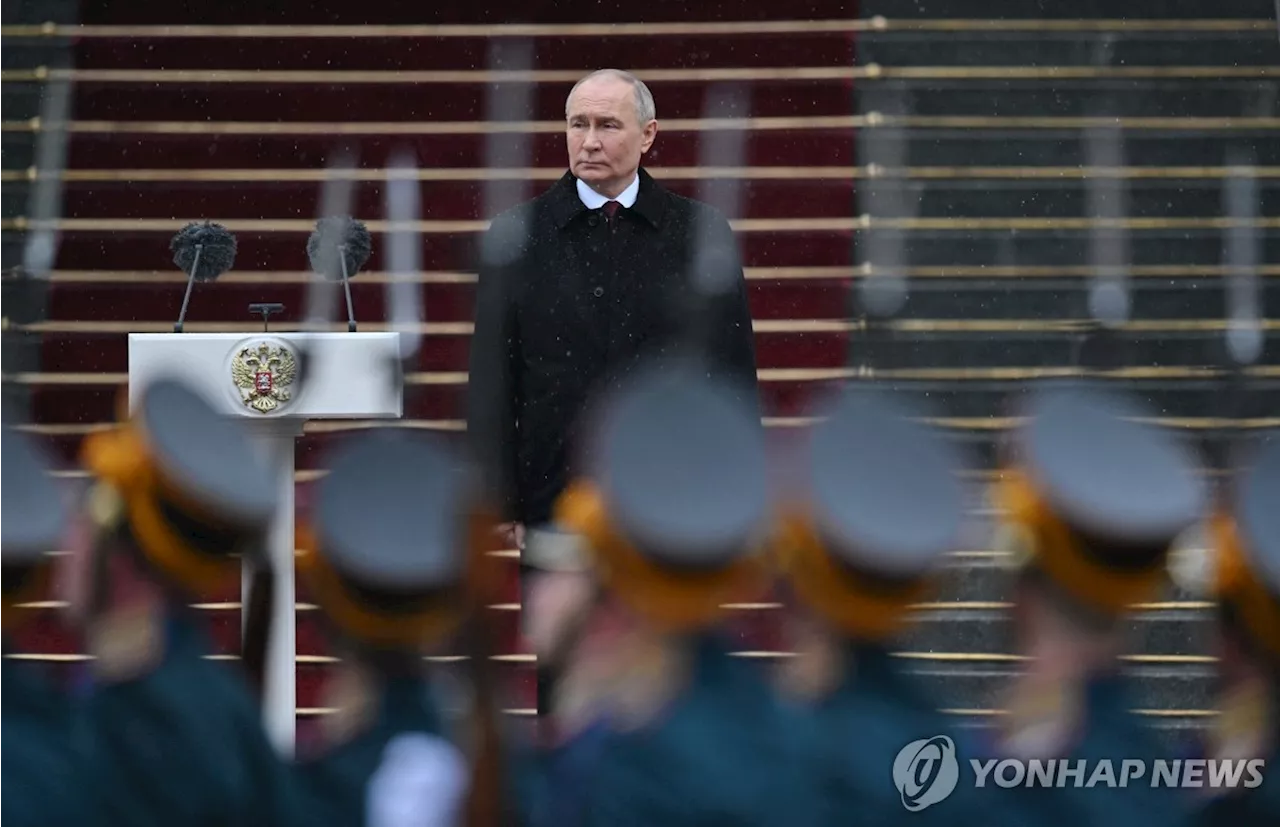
[594, 200]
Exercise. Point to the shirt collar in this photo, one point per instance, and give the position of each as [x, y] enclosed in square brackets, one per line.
[565, 204]
[593, 200]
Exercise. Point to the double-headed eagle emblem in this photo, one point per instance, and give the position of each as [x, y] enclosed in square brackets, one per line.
[264, 375]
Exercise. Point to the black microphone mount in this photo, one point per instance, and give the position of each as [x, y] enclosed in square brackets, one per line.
[266, 310]
[337, 249]
[203, 251]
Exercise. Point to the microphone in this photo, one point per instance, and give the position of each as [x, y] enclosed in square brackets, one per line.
[338, 248]
[204, 251]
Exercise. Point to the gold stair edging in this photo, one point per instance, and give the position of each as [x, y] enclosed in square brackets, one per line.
[751, 173]
[761, 74]
[793, 123]
[874, 24]
[815, 224]
[782, 273]
[441, 378]
[760, 326]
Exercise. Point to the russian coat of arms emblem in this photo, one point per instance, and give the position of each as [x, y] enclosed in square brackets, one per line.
[264, 375]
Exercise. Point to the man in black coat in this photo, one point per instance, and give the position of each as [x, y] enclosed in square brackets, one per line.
[579, 286]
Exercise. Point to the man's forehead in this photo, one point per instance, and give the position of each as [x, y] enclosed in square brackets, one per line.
[601, 95]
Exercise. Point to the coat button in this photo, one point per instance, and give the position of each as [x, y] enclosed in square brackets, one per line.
[598, 292]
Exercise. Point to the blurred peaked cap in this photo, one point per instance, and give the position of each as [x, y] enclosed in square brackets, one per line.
[884, 489]
[206, 454]
[35, 510]
[391, 513]
[1258, 514]
[683, 469]
[1108, 476]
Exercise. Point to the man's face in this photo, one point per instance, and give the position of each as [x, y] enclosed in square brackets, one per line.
[605, 136]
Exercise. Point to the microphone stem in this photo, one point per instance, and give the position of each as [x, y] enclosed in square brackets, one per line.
[186, 297]
[346, 287]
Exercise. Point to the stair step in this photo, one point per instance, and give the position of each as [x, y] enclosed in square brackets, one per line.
[87, 406]
[98, 352]
[22, 100]
[1069, 247]
[443, 302]
[975, 688]
[1150, 299]
[129, 249]
[425, 52]
[788, 243]
[441, 200]
[981, 348]
[1174, 632]
[95, 402]
[63, 12]
[989, 147]
[1051, 199]
[19, 152]
[832, 196]
[984, 141]
[1072, 48]
[1015, 97]
[398, 100]
[964, 678]
[1089, 13]
[14, 199]
[113, 150]
[495, 18]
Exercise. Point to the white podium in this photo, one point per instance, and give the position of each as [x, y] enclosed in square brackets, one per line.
[257, 377]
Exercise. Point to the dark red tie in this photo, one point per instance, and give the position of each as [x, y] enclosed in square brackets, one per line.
[611, 210]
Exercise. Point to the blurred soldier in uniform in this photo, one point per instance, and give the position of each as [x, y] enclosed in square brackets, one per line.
[1092, 499]
[1246, 538]
[46, 749]
[386, 558]
[878, 502]
[655, 721]
[178, 499]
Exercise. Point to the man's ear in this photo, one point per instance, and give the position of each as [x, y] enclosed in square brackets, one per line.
[650, 134]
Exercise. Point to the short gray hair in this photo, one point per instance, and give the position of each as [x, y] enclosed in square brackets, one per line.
[645, 109]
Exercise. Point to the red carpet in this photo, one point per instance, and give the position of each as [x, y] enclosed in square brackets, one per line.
[115, 276]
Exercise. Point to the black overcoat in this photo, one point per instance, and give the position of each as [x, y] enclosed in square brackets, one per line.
[569, 303]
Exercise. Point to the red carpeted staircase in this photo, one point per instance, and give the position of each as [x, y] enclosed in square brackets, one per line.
[236, 124]
[237, 127]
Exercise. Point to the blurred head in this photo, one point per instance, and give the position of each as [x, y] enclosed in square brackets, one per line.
[609, 124]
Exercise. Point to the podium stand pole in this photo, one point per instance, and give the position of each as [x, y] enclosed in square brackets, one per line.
[276, 440]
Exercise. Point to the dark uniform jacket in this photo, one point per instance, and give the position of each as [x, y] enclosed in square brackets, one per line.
[184, 744]
[723, 753]
[337, 785]
[47, 753]
[1110, 731]
[569, 303]
[1257, 805]
[854, 737]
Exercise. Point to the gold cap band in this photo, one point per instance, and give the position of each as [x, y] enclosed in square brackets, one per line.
[855, 605]
[1057, 551]
[675, 601]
